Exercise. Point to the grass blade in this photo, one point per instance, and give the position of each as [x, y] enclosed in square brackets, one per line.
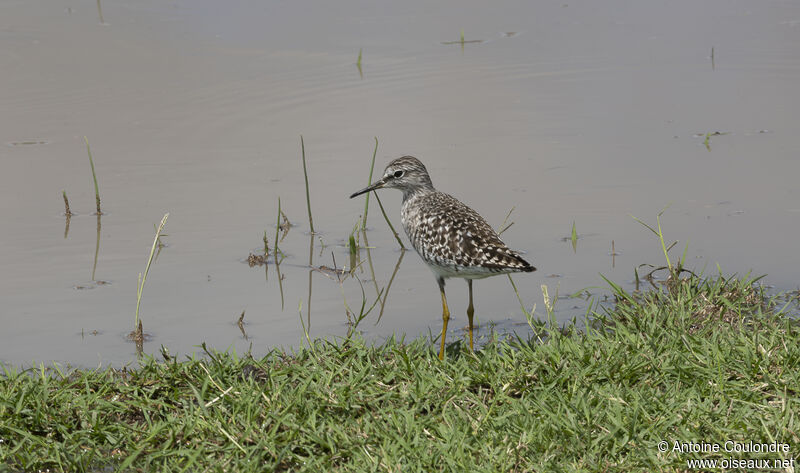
[371, 169]
[94, 177]
[147, 268]
[574, 238]
[305, 175]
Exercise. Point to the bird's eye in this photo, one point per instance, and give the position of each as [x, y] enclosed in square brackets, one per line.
[398, 174]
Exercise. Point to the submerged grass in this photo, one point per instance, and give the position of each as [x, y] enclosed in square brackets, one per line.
[706, 360]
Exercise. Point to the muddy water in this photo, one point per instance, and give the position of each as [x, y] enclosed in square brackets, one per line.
[567, 111]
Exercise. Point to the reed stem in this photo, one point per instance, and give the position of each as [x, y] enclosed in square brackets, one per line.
[369, 181]
[94, 176]
[305, 175]
[67, 211]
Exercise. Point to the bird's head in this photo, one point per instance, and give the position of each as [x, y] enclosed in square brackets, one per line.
[407, 174]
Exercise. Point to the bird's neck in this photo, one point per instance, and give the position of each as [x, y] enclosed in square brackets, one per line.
[415, 192]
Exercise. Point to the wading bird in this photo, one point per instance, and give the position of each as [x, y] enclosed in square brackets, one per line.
[452, 239]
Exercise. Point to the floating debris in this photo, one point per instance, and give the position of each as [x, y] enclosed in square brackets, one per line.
[257, 260]
[333, 273]
[27, 143]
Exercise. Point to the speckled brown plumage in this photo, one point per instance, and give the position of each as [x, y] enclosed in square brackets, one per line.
[450, 237]
[455, 240]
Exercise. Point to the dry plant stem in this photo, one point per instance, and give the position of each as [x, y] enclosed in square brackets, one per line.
[67, 211]
[94, 176]
[371, 169]
[138, 339]
[143, 276]
[503, 227]
[396, 236]
[305, 175]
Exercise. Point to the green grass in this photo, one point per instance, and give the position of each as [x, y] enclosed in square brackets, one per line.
[696, 360]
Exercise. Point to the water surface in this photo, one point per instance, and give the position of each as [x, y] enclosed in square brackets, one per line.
[580, 112]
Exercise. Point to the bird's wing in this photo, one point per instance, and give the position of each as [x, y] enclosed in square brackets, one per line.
[454, 234]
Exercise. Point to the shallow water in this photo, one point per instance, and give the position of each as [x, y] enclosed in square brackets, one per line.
[569, 112]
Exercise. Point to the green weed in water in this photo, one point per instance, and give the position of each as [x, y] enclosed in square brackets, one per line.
[574, 238]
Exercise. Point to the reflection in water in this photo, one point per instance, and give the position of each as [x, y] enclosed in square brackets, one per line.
[358, 65]
[385, 217]
[67, 213]
[310, 279]
[530, 114]
[96, 247]
[240, 323]
[275, 252]
[266, 254]
[389, 285]
[354, 314]
[375, 280]
[369, 261]
[613, 255]
[278, 272]
[353, 319]
[712, 58]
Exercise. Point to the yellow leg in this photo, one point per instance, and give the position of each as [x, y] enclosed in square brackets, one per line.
[445, 318]
[470, 312]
